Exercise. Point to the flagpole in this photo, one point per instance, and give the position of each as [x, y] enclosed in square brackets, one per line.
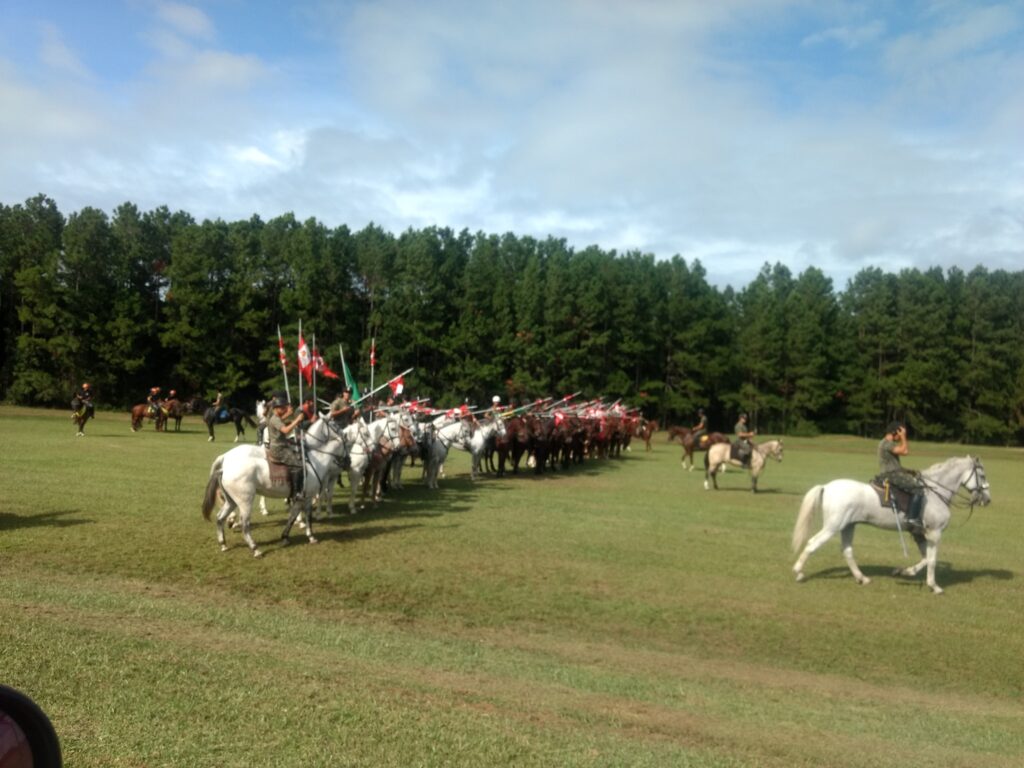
[299, 366]
[282, 357]
[378, 389]
[373, 359]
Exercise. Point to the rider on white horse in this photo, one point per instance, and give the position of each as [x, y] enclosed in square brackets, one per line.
[890, 470]
[282, 450]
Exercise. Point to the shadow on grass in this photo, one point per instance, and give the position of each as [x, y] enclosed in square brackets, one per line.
[9, 522]
[945, 574]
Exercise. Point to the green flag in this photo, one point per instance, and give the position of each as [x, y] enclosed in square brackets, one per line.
[350, 381]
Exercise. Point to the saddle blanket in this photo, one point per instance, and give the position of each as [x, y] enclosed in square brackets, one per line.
[278, 472]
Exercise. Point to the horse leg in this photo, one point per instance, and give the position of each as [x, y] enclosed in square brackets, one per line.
[928, 546]
[846, 542]
[813, 545]
[226, 511]
[209, 427]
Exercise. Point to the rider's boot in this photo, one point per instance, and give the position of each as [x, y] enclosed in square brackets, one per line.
[296, 478]
[916, 506]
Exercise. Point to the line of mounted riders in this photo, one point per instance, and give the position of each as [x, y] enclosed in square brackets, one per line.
[162, 410]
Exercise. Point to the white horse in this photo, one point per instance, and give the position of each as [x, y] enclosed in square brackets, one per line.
[367, 455]
[444, 437]
[844, 503]
[720, 454]
[243, 472]
[477, 443]
[404, 449]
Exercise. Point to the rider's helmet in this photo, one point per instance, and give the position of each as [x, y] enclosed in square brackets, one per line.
[496, 399]
[172, 393]
[86, 385]
[154, 390]
[700, 411]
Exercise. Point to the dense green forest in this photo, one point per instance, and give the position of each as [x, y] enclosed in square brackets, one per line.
[136, 299]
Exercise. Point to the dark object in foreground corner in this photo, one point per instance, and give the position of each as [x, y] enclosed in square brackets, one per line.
[27, 737]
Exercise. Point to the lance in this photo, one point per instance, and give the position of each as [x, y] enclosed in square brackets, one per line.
[559, 403]
[386, 383]
[283, 358]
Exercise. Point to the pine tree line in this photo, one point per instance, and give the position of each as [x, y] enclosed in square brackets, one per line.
[142, 298]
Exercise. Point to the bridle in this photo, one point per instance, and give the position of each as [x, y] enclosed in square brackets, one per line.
[952, 495]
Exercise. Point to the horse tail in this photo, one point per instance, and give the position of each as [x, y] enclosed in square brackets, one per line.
[210, 498]
[810, 505]
[252, 423]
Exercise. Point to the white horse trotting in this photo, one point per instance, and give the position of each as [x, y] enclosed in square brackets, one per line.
[719, 455]
[243, 472]
[844, 503]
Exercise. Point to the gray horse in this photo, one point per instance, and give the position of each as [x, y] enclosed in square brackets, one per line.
[844, 503]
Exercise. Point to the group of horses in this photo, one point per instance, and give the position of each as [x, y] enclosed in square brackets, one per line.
[374, 453]
[173, 409]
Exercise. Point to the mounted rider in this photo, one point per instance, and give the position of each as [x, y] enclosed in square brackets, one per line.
[282, 450]
[153, 398]
[743, 447]
[81, 401]
[342, 412]
[893, 445]
[309, 409]
[700, 429]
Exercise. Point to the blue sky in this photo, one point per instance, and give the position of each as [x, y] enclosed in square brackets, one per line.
[832, 133]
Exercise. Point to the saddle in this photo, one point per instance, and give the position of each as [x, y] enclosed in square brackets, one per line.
[279, 473]
[736, 454]
[891, 496]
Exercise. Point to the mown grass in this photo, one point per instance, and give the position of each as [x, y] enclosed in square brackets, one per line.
[614, 615]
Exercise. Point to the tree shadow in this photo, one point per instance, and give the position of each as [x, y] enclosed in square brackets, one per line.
[10, 522]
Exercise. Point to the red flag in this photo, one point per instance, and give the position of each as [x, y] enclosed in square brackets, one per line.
[305, 363]
[321, 366]
[373, 353]
[397, 385]
[280, 350]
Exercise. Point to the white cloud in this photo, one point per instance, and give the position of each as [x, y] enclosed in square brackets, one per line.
[56, 54]
[629, 130]
[186, 19]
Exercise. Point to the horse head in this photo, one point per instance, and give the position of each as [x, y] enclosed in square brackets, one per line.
[977, 484]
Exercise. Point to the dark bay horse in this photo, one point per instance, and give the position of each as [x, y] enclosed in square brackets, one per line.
[227, 415]
[685, 435]
[81, 413]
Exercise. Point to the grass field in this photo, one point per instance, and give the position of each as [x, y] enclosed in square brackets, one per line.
[616, 615]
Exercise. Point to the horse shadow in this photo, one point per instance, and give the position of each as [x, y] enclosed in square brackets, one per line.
[949, 576]
[10, 522]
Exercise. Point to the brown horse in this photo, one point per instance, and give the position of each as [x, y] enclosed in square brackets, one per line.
[685, 435]
[645, 431]
[142, 411]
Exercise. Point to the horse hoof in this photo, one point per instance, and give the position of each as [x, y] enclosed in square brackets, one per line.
[209, 439]
[800, 577]
[257, 553]
[284, 541]
[313, 540]
[936, 589]
[706, 486]
[223, 547]
[863, 580]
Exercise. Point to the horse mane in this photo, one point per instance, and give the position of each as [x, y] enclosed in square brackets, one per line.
[942, 466]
